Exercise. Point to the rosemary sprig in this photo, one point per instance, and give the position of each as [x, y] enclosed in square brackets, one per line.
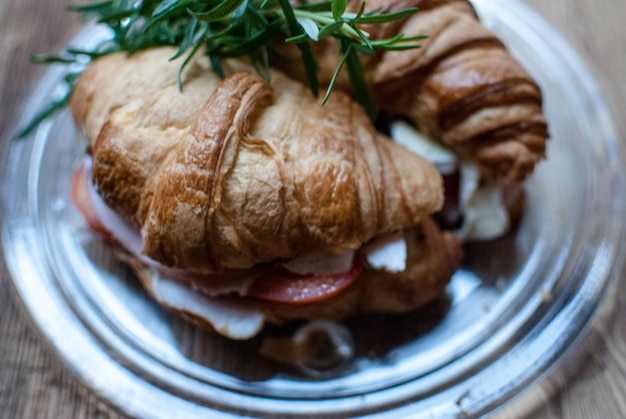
[233, 28]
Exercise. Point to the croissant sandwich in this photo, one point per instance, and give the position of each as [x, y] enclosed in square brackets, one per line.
[240, 202]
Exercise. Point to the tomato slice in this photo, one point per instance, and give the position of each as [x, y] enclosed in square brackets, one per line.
[81, 198]
[282, 286]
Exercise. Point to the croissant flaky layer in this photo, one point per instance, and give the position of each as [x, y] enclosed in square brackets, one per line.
[462, 87]
[236, 172]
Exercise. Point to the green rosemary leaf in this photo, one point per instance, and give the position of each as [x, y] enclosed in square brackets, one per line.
[253, 42]
[362, 49]
[51, 59]
[220, 11]
[125, 30]
[88, 8]
[331, 85]
[387, 17]
[323, 6]
[91, 54]
[115, 15]
[366, 42]
[256, 15]
[169, 6]
[216, 65]
[167, 9]
[261, 64]
[187, 40]
[240, 11]
[303, 37]
[195, 48]
[400, 47]
[265, 58]
[46, 113]
[359, 84]
[70, 78]
[309, 27]
[330, 29]
[290, 18]
[361, 11]
[310, 66]
[338, 7]
[414, 38]
[396, 41]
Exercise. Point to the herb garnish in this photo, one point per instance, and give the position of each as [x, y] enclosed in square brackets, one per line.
[233, 28]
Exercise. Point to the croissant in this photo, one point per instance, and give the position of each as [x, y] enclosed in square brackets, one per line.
[461, 88]
[232, 176]
[234, 173]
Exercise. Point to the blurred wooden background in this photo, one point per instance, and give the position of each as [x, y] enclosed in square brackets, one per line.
[34, 384]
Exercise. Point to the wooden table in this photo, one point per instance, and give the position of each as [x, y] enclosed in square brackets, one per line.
[34, 384]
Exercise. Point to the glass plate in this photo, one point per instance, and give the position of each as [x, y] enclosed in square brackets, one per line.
[517, 306]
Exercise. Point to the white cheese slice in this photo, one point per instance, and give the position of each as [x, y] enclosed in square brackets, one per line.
[321, 264]
[484, 215]
[120, 228]
[239, 286]
[387, 252]
[235, 321]
[404, 134]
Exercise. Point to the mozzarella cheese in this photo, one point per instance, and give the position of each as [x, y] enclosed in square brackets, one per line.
[321, 264]
[404, 134]
[484, 215]
[235, 321]
[387, 252]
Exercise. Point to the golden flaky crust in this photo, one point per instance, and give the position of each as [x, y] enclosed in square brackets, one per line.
[236, 172]
[461, 87]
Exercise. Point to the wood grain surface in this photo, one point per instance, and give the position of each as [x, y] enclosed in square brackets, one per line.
[33, 382]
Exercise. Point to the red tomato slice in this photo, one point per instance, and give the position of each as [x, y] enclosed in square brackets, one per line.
[81, 198]
[285, 287]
